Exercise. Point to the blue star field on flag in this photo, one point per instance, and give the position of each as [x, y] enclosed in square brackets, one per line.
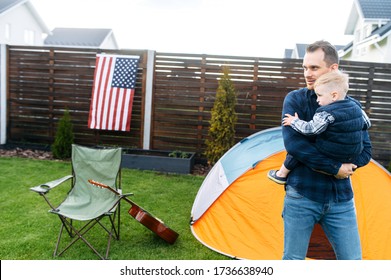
[125, 72]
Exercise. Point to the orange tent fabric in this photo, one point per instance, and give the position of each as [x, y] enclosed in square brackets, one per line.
[372, 192]
[245, 221]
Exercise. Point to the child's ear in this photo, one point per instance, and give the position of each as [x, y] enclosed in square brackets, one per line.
[334, 95]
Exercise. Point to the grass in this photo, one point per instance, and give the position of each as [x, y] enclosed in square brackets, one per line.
[29, 232]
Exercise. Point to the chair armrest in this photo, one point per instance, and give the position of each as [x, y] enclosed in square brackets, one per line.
[46, 187]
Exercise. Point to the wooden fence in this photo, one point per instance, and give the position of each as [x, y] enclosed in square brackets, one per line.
[43, 82]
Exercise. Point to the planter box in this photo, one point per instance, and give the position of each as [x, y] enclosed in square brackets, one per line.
[157, 160]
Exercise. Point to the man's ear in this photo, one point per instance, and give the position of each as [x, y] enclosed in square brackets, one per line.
[334, 66]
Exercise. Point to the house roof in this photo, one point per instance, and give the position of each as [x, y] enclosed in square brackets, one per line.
[78, 37]
[345, 49]
[377, 11]
[288, 53]
[300, 48]
[383, 30]
[8, 5]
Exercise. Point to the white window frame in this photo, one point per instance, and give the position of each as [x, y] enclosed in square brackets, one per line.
[29, 37]
[7, 32]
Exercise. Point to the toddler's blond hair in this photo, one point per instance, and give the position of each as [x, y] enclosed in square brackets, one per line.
[334, 81]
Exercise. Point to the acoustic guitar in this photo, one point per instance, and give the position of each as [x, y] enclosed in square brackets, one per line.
[144, 217]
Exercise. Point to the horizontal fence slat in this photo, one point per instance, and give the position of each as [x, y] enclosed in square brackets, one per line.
[43, 82]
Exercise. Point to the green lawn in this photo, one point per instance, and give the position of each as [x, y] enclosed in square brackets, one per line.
[29, 232]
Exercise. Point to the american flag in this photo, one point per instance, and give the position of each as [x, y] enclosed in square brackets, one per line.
[113, 92]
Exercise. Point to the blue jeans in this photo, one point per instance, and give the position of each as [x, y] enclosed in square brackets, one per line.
[338, 221]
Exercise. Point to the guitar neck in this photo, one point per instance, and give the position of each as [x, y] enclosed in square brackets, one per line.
[101, 185]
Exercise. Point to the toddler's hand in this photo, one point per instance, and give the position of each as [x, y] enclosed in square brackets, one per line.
[287, 120]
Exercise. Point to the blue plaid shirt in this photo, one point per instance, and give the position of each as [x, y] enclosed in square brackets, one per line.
[315, 185]
[320, 122]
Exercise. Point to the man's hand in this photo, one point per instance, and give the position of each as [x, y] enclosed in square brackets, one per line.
[345, 170]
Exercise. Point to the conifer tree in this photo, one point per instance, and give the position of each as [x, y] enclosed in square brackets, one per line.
[221, 134]
[62, 146]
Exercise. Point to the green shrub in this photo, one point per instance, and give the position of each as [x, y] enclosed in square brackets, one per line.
[62, 146]
[179, 154]
[221, 134]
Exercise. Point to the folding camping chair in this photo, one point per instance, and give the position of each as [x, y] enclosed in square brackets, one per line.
[86, 203]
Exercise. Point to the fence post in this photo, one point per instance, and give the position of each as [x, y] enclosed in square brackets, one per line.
[148, 100]
[201, 106]
[253, 106]
[3, 94]
[368, 96]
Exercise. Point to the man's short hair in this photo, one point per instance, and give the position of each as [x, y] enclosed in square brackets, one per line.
[330, 52]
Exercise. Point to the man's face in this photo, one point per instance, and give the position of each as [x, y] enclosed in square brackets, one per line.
[314, 66]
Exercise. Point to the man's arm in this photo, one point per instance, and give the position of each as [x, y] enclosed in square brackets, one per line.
[366, 154]
[367, 121]
[347, 169]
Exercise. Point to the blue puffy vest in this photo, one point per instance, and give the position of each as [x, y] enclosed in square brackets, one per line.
[342, 140]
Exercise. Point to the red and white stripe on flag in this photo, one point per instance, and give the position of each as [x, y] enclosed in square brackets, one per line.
[113, 92]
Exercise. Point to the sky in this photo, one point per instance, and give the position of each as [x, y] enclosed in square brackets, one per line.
[262, 28]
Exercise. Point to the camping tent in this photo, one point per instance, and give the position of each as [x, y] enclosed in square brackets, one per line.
[237, 210]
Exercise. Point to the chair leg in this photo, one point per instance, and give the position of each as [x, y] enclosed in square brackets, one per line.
[114, 230]
[115, 224]
[118, 220]
[108, 246]
[111, 232]
[79, 234]
[58, 240]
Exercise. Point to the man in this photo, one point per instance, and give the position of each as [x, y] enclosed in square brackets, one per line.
[323, 196]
